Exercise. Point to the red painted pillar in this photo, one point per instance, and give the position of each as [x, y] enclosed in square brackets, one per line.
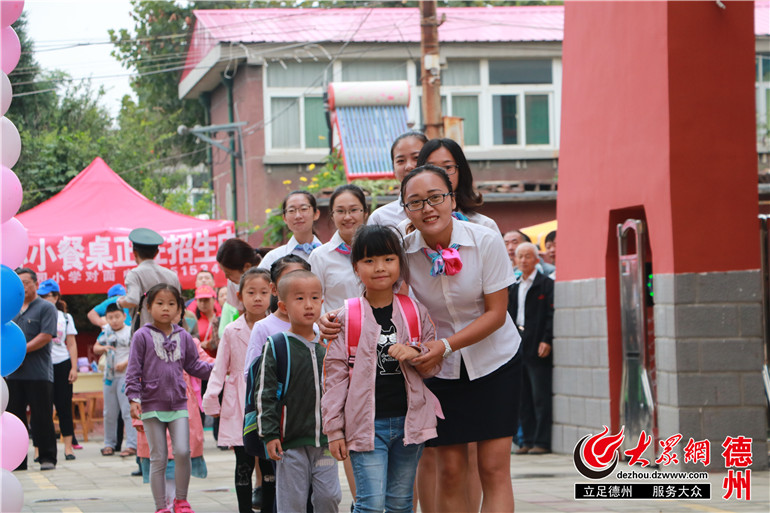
[658, 123]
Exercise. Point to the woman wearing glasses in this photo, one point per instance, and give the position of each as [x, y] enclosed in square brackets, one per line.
[447, 154]
[461, 272]
[331, 262]
[299, 213]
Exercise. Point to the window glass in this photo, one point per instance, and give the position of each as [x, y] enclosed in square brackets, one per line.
[766, 68]
[520, 72]
[505, 119]
[467, 107]
[296, 74]
[459, 73]
[373, 70]
[285, 122]
[536, 109]
[316, 131]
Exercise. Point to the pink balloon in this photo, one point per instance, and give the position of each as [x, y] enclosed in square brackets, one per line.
[10, 194]
[14, 441]
[14, 243]
[6, 93]
[10, 49]
[10, 142]
[10, 10]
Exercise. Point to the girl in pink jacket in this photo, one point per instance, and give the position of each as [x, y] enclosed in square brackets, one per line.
[378, 410]
[227, 377]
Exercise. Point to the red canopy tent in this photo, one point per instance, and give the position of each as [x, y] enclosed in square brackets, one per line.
[80, 236]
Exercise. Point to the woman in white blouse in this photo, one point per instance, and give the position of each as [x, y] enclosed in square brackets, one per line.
[460, 271]
[299, 213]
[331, 261]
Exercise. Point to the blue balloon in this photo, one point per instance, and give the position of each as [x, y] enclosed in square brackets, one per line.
[11, 294]
[13, 348]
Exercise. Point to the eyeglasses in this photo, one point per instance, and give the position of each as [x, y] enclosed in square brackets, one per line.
[432, 200]
[353, 211]
[451, 168]
[304, 209]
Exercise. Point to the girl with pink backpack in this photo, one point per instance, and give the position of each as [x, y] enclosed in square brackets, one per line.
[375, 407]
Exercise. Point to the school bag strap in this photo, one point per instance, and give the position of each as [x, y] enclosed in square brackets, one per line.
[411, 316]
[282, 358]
[280, 350]
[354, 320]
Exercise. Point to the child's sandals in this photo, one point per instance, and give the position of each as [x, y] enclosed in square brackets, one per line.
[182, 506]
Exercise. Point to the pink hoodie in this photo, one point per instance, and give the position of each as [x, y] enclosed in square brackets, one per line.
[347, 406]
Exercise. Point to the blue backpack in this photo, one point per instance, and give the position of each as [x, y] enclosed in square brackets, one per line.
[252, 443]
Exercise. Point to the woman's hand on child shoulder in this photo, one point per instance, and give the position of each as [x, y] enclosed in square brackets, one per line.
[339, 449]
[329, 325]
[403, 353]
[274, 449]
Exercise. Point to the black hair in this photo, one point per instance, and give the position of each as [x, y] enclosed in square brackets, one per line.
[235, 253]
[430, 168]
[411, 133]
[377, 240]
[27, 270]
[355, 190]
[253, 272]
[112, 307]
[523, 235]
[283, 288]
[277, 269]
[551, 237]
[466, 197]
[282, 263]
[309, 197]
[150, 295]
[145, 252]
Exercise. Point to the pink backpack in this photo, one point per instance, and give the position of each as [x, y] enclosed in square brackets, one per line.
[355, 319]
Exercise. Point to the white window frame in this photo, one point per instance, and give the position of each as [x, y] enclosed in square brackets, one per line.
[300, 93]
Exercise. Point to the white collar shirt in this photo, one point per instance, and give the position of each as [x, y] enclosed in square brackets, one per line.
[456, 301]
[290, 247]
[391, 214]
[524, 286]
[335, 271]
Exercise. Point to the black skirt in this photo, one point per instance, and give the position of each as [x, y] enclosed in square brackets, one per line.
[483, 409]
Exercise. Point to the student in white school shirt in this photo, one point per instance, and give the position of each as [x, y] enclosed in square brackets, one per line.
[403, 154]
[461, 272]
[331, 261]
[299, 213]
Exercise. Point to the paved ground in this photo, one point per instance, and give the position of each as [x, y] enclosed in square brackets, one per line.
[94, 483]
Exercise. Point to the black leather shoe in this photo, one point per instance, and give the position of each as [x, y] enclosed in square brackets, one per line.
[69, 457]
[137, 472]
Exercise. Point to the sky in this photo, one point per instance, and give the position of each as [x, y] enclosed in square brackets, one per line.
[56, 26]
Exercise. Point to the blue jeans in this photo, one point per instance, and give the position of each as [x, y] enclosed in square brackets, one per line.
[385, 476]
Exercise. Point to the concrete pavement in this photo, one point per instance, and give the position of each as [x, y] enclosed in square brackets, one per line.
[95, 483]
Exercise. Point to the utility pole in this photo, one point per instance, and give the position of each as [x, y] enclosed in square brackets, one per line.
[431, 77]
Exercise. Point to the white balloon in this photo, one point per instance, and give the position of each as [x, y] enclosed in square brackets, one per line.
[11, 142]
[6, 93]
[11, 493]
[3, 395]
